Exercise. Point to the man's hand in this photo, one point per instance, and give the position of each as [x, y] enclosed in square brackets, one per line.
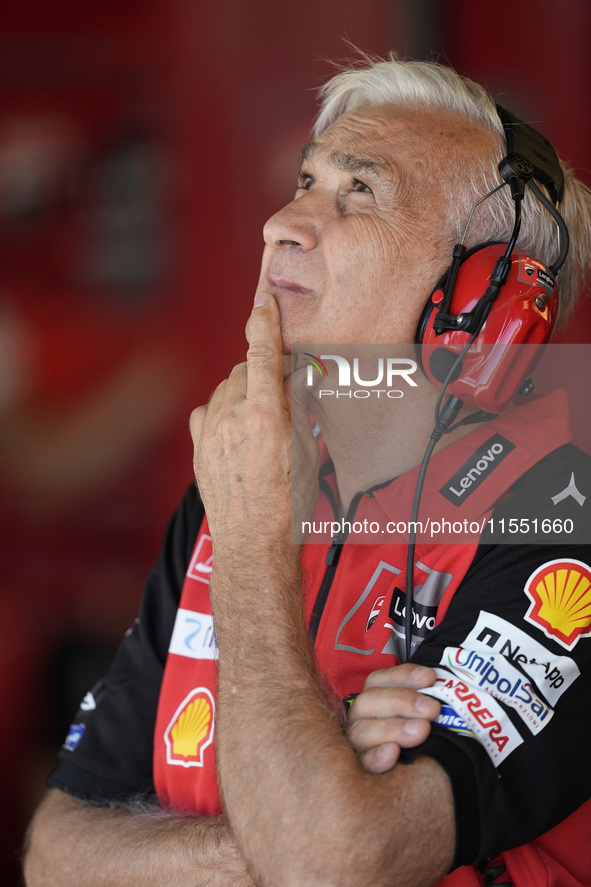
[243, 445]
[390, 714]
[299, 805]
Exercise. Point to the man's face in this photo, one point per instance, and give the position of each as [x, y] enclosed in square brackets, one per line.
[354, 257]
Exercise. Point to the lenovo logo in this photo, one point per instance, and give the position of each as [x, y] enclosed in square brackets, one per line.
[476, 469]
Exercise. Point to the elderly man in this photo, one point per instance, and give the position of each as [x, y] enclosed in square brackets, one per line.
[473, 748]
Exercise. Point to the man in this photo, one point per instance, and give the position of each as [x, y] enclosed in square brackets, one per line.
[402, 152]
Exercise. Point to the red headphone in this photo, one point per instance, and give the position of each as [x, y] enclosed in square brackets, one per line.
[511, 339]
[495, 296]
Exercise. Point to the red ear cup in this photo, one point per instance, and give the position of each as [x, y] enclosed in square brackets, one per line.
[511, 341]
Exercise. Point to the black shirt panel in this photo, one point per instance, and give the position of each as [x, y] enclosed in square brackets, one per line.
[548, 505]
[108, 753]
[548, 774]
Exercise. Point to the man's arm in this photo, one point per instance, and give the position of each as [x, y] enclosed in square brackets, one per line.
[301, 807]
[72, 843]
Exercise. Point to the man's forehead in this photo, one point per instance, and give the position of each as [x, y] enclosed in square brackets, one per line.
[373, 133]
[357, 130]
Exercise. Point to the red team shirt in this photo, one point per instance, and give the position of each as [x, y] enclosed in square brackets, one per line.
[505, 625]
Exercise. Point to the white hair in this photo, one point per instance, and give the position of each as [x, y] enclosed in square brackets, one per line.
[435, 87]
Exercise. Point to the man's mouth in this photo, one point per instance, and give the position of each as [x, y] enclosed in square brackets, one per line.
[279, 285]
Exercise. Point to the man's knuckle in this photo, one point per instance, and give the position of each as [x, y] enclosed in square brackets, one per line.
[238, 372]
[261, 353]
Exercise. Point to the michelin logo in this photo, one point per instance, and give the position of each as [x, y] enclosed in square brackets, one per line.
[451, 721]
[476, 469]
[481, 714]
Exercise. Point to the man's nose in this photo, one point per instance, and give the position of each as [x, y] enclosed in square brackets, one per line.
[296, 225]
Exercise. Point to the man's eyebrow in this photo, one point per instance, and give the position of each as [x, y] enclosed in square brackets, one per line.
[347, 162]
[351, 163]
[307, 151]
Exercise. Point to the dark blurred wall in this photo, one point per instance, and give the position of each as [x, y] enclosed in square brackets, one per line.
[533, 55]
[143, 143]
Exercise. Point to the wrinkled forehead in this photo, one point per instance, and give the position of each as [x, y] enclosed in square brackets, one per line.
[392, 133]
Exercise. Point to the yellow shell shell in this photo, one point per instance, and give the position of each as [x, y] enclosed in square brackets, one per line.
[191, 728]
[565, 600]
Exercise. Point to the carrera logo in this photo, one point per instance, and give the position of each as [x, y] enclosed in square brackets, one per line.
[480, 713]
[560, 594]
[476, 469]
[190, 731]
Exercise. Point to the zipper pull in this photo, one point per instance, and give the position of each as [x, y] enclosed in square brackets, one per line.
[332, 555]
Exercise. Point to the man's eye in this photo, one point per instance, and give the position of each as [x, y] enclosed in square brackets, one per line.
[361, 186]
[305, 182]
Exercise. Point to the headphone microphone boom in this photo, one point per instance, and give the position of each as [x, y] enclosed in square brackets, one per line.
[494, 297]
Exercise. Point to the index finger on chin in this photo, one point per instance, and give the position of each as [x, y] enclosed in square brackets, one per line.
[264, 358]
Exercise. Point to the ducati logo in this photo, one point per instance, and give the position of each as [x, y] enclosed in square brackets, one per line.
[202, 561]
[375, 611]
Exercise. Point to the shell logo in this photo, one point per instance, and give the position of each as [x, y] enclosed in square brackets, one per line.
[190, 731]
[560, 592]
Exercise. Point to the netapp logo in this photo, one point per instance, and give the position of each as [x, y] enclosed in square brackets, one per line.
[476, 469]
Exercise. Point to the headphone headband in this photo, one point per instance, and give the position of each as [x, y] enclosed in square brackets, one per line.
[523, 139]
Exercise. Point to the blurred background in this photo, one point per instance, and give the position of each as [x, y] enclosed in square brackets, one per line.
[143, 143]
